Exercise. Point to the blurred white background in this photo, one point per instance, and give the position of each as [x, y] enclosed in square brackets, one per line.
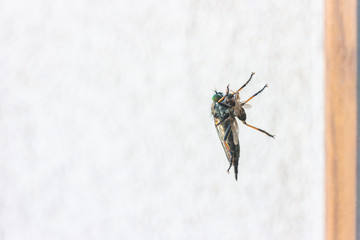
[105, 124]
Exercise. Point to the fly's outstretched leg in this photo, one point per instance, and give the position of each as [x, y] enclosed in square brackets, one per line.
[254, 95]
[273, 136]
[252, 74]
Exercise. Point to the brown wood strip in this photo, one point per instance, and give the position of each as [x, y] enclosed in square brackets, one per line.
[341, 110]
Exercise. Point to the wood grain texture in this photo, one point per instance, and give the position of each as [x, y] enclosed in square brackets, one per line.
[340, 51]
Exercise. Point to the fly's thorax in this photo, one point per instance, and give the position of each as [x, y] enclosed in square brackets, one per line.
[230, 100]
[236, 107]
[219, 111]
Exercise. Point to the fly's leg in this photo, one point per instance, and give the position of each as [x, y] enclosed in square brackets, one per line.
[224, 105]
[273, 136]
[231, 161]
[223, 120]
[254, 95]
[227, 92]
[227, 134]
[252, 74]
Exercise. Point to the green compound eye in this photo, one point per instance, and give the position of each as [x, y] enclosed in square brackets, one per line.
[216, 97]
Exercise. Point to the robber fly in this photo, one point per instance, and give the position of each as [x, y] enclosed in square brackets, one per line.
[225, 109]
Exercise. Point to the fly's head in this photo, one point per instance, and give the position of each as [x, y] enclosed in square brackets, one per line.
[217, 96]
[229, 98]
[218, 108]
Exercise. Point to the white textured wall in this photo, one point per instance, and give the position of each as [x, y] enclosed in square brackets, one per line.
[105, 126]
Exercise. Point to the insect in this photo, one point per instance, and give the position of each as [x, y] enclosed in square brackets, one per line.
[225, 109]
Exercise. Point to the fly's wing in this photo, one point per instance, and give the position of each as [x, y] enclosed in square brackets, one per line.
[246, 106]
[221, 130]
[218, 113]
[235, 131]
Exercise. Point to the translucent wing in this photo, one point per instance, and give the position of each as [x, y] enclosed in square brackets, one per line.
[221, 130]
[235, 131]
[246, 106]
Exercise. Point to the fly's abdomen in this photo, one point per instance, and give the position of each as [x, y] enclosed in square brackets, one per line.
[241, 114]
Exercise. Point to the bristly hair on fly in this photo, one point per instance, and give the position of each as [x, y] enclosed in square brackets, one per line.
[225, 108]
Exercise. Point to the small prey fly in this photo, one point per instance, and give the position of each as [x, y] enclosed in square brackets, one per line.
[225, 109]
